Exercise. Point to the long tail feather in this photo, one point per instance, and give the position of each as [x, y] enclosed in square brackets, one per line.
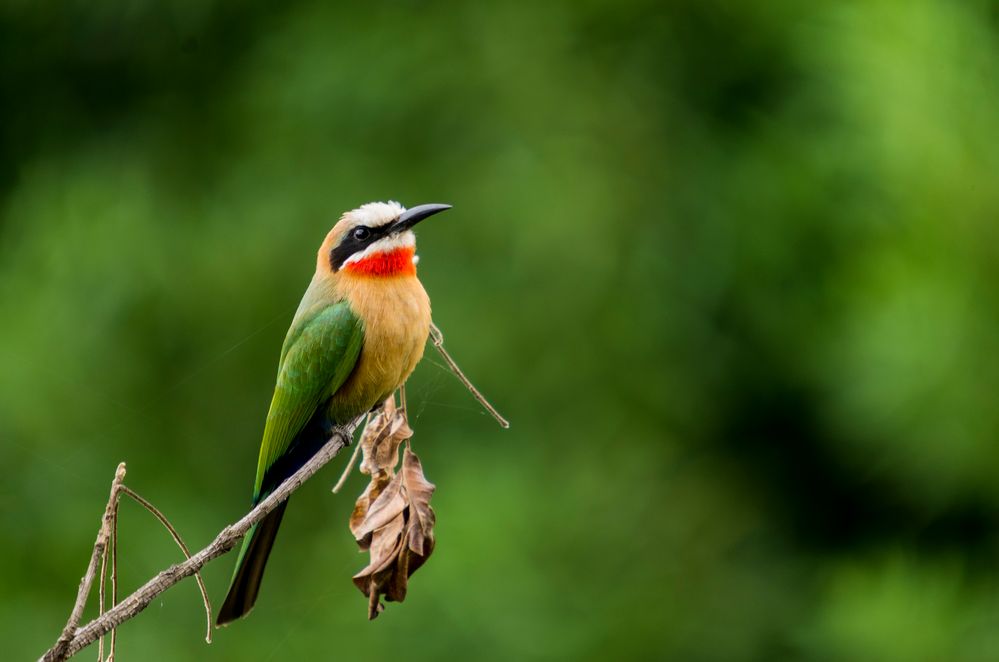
[250, 567]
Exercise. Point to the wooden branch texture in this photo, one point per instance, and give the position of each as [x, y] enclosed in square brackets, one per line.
[71, 642]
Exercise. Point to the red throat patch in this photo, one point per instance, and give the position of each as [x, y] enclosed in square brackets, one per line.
[393, 263]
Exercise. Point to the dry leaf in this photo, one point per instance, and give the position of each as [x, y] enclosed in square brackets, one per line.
[379, 444]
[392, 519]
[381, 438]
[419, 490]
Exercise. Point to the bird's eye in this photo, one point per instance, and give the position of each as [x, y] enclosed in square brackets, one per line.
[361, 233]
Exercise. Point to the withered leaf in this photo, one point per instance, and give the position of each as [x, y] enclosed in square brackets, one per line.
[379, 445]
[381, 438]
[389, 503]
[419, 490]
[396, 528]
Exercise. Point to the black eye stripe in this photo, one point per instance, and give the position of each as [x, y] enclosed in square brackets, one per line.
[350, 244]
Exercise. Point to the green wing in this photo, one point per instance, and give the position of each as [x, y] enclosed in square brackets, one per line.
[318, 355]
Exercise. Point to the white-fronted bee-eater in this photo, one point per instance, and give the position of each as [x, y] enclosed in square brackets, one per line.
[357, 335]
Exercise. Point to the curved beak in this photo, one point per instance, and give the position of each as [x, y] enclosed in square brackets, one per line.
[411, 217]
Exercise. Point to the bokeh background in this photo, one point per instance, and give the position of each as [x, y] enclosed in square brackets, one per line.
[729, 268]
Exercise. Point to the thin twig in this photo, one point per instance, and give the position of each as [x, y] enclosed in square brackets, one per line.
[110, 556]
[350, 463]
[180, 543]
[114, 573]
[223, 543]
[438, 340]
[100, 600]
[69, 631]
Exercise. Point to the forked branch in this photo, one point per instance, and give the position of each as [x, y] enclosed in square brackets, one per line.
[74, 639]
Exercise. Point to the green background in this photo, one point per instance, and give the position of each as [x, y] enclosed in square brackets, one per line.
[729, 268]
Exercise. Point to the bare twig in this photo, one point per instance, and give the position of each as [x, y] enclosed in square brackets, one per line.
[102, 581]
[350, 463]
[73, 640]
[437, 338]
[114, 573]
[180, 543]
[63, 643]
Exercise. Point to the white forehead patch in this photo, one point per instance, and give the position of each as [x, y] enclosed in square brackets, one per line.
[375, 214]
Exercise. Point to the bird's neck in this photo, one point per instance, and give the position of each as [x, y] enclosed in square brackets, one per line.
[396, 262]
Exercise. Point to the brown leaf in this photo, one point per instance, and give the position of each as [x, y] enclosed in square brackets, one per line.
[381, 438]
[419, 490]
[395, 527]
[389, 504]
[379, 444]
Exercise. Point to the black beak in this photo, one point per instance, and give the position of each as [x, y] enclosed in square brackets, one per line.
[411, 217]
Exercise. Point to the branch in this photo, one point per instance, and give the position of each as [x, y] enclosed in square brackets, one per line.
[437, 338]
[73, 640]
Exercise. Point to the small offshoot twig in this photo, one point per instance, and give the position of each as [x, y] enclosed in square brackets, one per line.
[350, 463]
[114, 571]
[112, 547]
[187, 555]
[437, 338]
[101, 592]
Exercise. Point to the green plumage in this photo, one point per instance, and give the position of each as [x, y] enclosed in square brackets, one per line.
[319, 354]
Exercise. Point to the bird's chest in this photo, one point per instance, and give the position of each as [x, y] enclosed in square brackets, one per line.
[396, 317]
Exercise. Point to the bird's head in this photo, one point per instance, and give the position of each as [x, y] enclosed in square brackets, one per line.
[375, 239]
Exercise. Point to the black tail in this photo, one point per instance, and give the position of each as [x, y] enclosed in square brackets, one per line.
[250, 567]
[258, 542]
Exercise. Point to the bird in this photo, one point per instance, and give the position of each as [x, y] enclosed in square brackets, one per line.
[356, 336]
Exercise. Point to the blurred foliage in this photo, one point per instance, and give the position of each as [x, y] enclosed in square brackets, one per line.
[729, 268]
